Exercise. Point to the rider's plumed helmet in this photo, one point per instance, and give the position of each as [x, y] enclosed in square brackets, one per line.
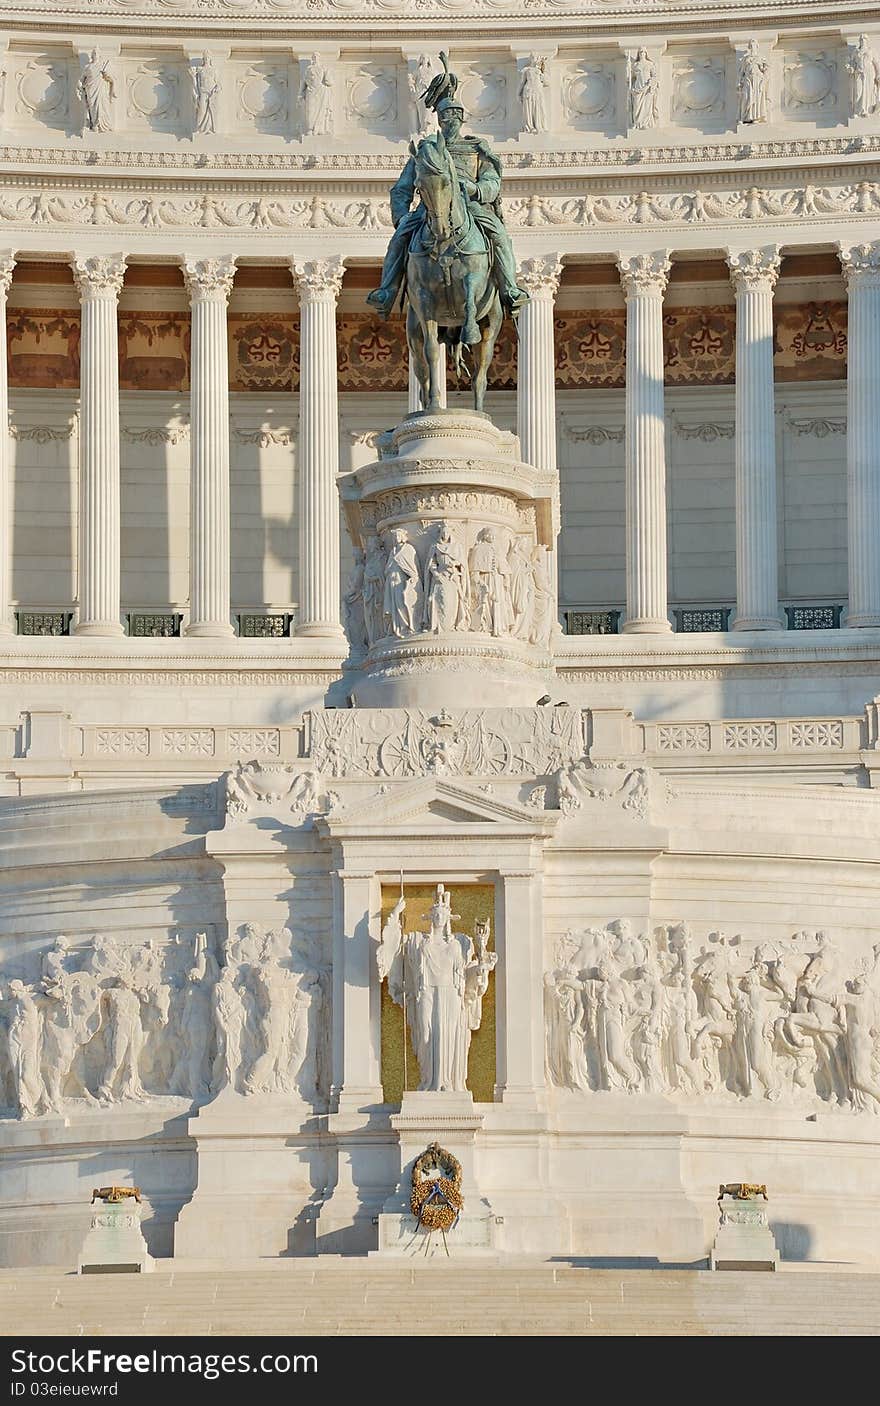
[440, 93]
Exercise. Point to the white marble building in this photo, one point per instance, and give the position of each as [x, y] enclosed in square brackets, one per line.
[679, 848]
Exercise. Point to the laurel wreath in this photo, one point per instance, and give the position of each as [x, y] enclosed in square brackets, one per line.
[436, 1201]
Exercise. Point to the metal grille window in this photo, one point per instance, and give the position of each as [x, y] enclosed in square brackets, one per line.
[43, 622]
[698, 620]
[261, 627]
[154, 626]
[592, 622]
[813, 617]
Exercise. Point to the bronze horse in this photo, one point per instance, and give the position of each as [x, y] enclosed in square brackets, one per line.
[453, 297]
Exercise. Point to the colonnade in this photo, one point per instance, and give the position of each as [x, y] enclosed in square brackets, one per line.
[318, 283]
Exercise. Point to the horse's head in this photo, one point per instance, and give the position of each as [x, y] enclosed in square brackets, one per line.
[437, 184]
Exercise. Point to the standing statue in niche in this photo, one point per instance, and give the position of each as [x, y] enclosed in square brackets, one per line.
[97, 90]
[440, 978]
[403, 586]
[533, 94]
[752, 85]
[452, 249]
[489, 582]
[644, 91]
[419, 83]
[446, 584]
[206, 95]
[317, 99]
[864, 73]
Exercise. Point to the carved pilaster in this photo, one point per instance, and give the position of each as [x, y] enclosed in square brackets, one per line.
[754, 273]
[861, 268]
[644, 278]
[99, 281]
[209, 283]
[318, 283]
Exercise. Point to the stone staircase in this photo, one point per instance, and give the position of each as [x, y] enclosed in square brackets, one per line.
[365, 1297]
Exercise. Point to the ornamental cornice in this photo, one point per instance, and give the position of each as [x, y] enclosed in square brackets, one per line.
[180, 214]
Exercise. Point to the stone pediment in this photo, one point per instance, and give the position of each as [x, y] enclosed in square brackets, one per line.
[434, 803]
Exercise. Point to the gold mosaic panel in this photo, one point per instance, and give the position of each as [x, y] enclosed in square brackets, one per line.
[43, 348]
[471, 901]
[811, 342]
[154, 351]
[263, 352]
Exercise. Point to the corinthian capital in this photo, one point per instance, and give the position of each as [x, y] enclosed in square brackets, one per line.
[860, 261]
[755, 270]
[318, 280]
[7, 264]
[99, 276]
[644, 273]
[540, 276]
[209, 278]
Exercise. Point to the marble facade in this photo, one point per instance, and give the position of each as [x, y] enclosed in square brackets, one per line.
[268, 648]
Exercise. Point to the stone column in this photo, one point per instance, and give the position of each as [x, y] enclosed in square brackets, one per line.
[519, 927]
[318, 283]
[7, 264]
[99, 281]
[861, 267]
[209, 282]
[355, 1074]
[754, 274]
[644, 278]
[536, 362]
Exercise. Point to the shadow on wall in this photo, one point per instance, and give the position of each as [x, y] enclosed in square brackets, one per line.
[793, 1241]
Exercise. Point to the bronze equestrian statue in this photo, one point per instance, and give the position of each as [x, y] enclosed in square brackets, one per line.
[451, 256]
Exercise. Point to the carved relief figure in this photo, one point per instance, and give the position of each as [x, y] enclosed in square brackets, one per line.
[753, 85]
[419, 82]
[864, 73]
[542, 598]
[644, 91]
[403, 586]
[374, 590]
[206, 95]
[124, 1039]
[441, 979]
[522, 594]
[317, 99]
[446, 584]
[97, 90]
[489, 582]
[196, 1022]
[23, 1040]
[533, 94]
[354, 605]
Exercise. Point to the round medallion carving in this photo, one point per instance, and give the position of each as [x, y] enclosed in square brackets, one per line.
[810, 83]
[589, 93]
[42, 88]
[699, 89]
[483, 94]
[372, 95]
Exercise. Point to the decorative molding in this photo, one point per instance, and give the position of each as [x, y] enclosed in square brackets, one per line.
[44, 434]
[708, 431]
[820, 427]
[157, 434]
[594, 434]
[264, 437]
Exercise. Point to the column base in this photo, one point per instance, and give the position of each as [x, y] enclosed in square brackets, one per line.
[108, 628]
[646, 625]
[319, 629]
[757, 622]
[210, 629]
[867, 620]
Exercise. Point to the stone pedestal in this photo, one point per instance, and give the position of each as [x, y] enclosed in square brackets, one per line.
[115, 1243]
[481, 633]
[258, 1170]
[744, 1239]
[452, 1121]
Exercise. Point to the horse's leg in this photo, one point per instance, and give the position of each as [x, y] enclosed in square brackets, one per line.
[470, 332]
[433, 352]
[416, 341]
[490, 326]
[419, 299]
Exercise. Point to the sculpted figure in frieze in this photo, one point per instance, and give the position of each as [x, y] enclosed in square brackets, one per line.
[753, 85]
[23, 1043]
[419, 83]
[643, 84]
[452, 249]
[447, 585]
[403, 599]
[440, 978]
[96, 89]
[533, 94]
[751, 1021]
[522, 587]
[124, 1039]
[255, 787]
[316, 95]
[541, 626]
[864, 71]
[354, 605]
[196, 1023]
[490, 575]
[374, 590]
[206, 95]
